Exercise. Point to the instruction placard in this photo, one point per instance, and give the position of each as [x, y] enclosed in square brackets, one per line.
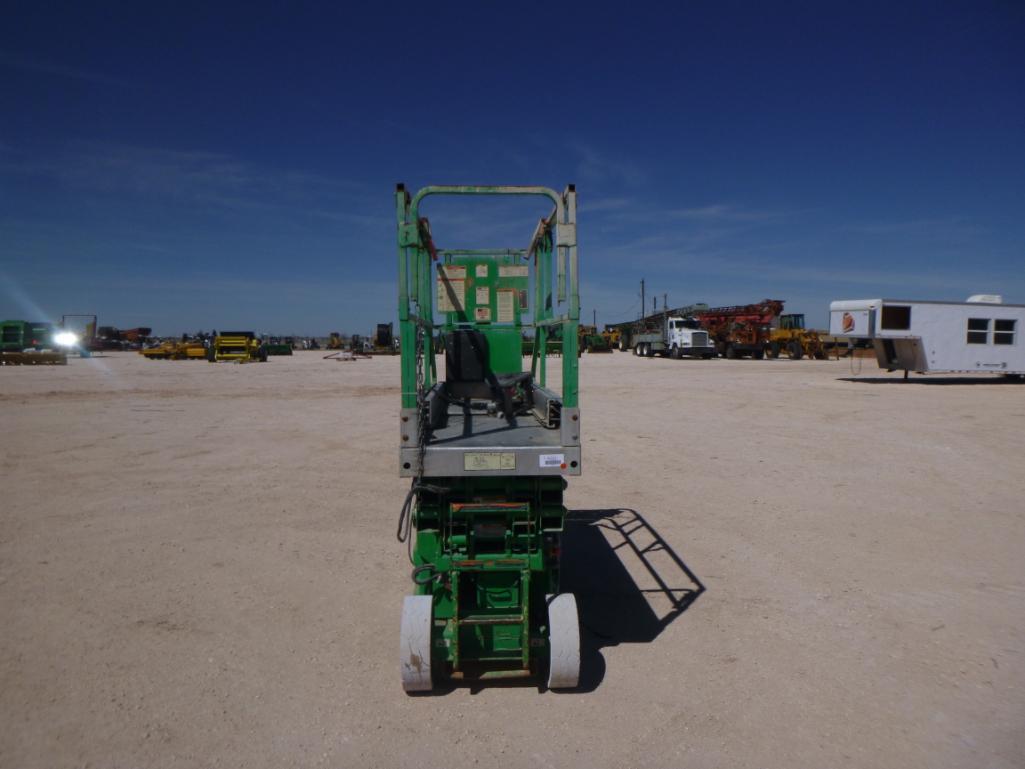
[483, 295]
[513, 271]
[450, 295]
[506, 306]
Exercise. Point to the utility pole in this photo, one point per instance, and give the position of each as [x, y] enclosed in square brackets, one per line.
[644, 307]
[664, 299]
[594, 319]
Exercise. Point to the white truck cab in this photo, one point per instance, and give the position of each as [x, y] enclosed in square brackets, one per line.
[679, 337]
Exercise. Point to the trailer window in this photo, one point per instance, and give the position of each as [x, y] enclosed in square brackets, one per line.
[1003, 331]
[896, 318]
[978, 330]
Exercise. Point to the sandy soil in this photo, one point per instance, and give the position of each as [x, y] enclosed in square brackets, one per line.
[198, 568]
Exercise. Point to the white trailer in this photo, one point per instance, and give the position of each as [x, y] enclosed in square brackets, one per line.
[981, 334]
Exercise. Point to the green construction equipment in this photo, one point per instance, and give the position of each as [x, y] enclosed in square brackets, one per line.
[25, 343]
[488, 446]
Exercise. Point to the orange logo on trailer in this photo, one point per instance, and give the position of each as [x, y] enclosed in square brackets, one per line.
[848, 322]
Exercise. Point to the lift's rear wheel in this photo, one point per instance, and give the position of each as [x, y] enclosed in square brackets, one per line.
[415, 643]
[563, 642]
[795, 349]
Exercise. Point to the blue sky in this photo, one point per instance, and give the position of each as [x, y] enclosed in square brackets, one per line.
[191, 165]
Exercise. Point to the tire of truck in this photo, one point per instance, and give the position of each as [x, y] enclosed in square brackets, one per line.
[757, 354]
[773, 351]
[675, 353]
[795, 350]
[731, 354]
[637, 349]
[622, 345]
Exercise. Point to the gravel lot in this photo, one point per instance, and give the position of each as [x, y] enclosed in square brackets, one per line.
[198, 568]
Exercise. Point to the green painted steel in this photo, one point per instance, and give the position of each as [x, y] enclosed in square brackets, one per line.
[487, 547]
[489, 566]
[14, 335]
[418, 257]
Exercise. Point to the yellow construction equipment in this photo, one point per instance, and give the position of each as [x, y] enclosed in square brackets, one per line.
[238, 347]
[174, 350]
[792, 337]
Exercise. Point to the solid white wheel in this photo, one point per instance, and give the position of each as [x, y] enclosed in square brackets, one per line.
[563, 642]
[415, 643]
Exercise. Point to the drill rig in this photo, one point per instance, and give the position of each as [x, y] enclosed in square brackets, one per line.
[488, 446]
[741, 329]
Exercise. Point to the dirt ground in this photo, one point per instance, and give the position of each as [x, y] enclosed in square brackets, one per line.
[778, 565]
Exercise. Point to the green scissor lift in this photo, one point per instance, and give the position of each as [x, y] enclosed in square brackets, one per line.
[488, 444]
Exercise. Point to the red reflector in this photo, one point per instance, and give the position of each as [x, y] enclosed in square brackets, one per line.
[563, 466]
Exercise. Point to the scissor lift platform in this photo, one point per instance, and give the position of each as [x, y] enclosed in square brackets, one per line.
[488, 446]
[471, 442]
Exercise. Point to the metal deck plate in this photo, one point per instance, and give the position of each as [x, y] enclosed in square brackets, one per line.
[483, 444]
[482, 431]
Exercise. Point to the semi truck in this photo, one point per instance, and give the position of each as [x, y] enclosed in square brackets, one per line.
[672, 335]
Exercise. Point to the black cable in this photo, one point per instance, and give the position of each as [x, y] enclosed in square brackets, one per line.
[405, 527]
[428, 569]
[405, 516]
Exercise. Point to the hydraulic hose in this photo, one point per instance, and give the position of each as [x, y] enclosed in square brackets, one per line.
[405, 527]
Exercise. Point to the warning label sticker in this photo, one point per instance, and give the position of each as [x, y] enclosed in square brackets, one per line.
[513, 271]
[452, 271]
[489, 460]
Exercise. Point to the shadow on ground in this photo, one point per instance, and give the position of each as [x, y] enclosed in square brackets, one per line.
[630, 585]
[947, 380]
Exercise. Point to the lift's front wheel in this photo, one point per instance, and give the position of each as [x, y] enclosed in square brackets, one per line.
[415, 643]
[563, 642]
